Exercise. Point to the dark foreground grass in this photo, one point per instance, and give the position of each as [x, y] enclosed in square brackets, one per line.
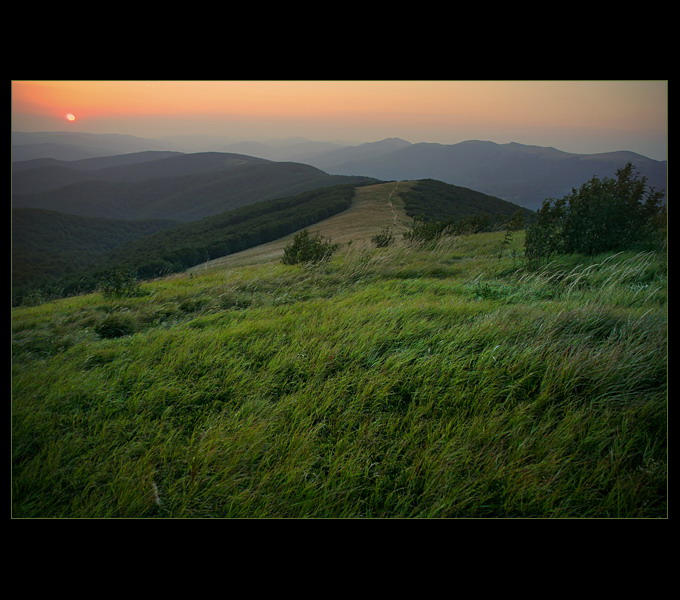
[404, 382]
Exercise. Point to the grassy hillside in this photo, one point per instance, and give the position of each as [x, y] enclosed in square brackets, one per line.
[393, 205]
[401, 382]
[56, 254]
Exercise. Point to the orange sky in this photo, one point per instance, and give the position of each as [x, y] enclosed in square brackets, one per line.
[577, 116]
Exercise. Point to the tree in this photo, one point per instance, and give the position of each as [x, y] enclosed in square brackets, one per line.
[516, 222]
[602, 215]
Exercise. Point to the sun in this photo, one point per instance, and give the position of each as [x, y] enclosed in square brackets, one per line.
[70, 117]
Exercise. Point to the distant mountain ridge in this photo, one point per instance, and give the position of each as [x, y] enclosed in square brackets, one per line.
[34, 176]
[70, 145]
[524, 175]
[179, 186]
[519, 173]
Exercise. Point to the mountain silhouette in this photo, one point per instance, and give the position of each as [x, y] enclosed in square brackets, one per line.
[522, 174]
[180, 186]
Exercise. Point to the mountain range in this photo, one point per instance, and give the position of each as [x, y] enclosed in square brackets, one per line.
[522, 174]
[161, 185]
[175, 209]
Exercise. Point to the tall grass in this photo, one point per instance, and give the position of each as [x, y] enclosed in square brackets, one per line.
[398, 382]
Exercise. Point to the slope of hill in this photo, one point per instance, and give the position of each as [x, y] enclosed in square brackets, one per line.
[48, 246]
[96, 163]
[182, 187]
[373, 208]
[525, 175]
[30, 177]
[400, 382]
[433, 200]
[184, 245]
[391, 205]
[253, 233]
[44, 174]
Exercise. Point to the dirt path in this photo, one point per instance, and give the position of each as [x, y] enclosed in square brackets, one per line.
[389, 199]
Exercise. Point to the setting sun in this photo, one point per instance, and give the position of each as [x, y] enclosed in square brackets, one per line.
[70, 117]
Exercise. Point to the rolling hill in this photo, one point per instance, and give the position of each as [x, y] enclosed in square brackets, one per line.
[519, 173]
[47, 257]
[420, 380]
[524, 175]
[404, 382]
[373, 208]
[42, 175]
[391, 205]
[180, 186]
[258, 231]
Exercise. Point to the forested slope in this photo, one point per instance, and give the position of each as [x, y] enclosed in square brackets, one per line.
[188, 244]
[48, 246]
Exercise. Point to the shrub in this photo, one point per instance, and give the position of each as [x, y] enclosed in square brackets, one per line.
[308, 248]
[120, 284]
[383, 239]
[425, 231]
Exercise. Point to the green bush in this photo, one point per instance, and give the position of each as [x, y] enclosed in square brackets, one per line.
[120, 284]
[425, 231]
[602, 215]
[308, 248]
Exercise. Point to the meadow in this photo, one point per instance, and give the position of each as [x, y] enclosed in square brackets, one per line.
[439, 381]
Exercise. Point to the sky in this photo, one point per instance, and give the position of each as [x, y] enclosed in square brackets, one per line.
[586, 116]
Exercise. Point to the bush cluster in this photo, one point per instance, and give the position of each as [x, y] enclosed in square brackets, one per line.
[383, 239]
[309, 248]
[120, 284]
[602, 215]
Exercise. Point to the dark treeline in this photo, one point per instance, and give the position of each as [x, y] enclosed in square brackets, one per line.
[48, 245]
[184, 246]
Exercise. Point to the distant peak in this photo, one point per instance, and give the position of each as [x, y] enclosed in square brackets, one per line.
[393, 140]
[480, 142]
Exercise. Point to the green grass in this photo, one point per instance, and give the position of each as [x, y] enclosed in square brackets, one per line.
[401, 382]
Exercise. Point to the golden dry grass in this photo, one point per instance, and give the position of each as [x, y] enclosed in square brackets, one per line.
[373, 208]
